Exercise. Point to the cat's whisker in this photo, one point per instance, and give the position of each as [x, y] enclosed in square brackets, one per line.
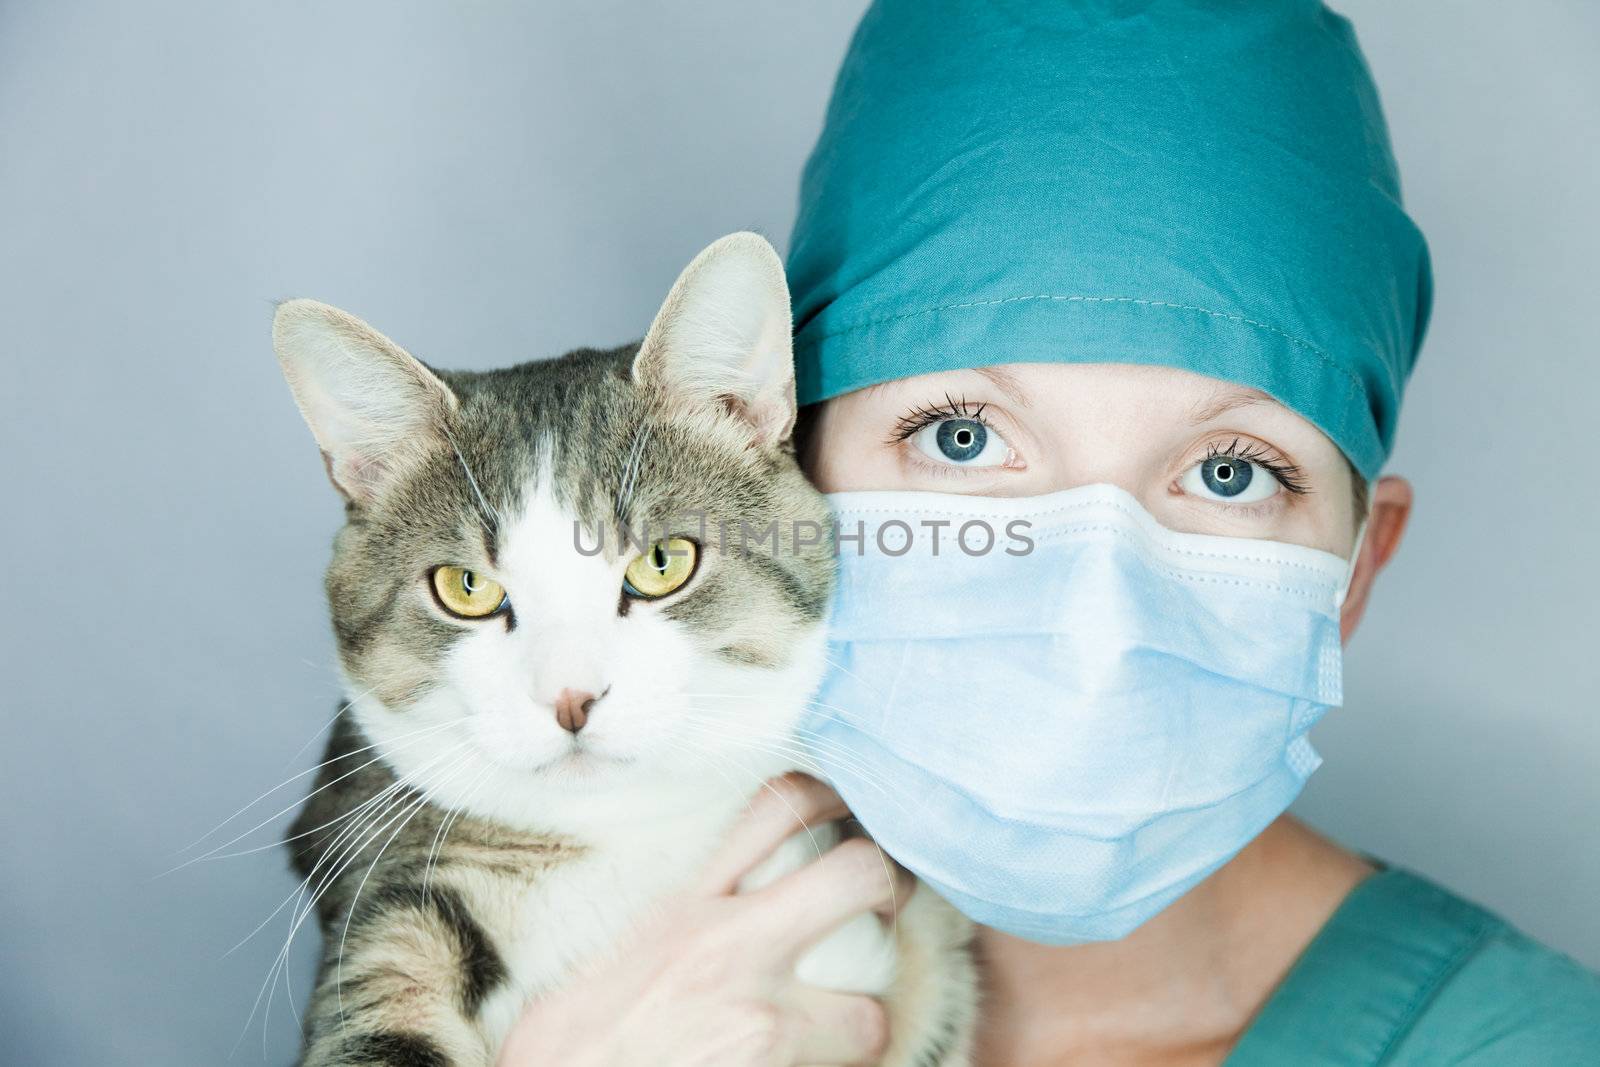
[279, 961]
[806, 763]
[833, 711]
[214, 852]
[448, 823]
[358, 815]
[333, 854]
[883, 857]
[864, 773]
[332, 851]
[767, 785]
[894, 899]
[298, 891]
[341, 847]
[304, 833]
[344, 706]
[833, 748]
[806, 745]
[439, 834]
[350, 854]
[806, 757]
[842, 669]
[308, 771]
[710, 760]
[423, 800]
[825, 745]
[827, 748]
[789, 742]
[298, 916]
[830, 747]
[489, 517]
[297, 919]
[789, 752]
[630, 470]
[824, 710]
[704, 760]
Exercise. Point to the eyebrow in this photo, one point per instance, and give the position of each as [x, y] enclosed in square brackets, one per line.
[1007, 383]
[1223, 401]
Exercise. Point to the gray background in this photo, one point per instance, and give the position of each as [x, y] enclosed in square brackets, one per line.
[493, 181]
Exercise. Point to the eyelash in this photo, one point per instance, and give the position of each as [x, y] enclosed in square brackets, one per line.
[925, 415]
[1288, 474]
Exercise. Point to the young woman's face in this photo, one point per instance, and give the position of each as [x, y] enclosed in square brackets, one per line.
[1203, 456]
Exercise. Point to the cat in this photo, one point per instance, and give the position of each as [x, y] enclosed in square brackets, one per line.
[465, 850]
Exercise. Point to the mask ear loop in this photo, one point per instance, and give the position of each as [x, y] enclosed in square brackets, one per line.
[1355, 555]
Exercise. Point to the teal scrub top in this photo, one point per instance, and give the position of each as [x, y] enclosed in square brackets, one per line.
[1406, 973]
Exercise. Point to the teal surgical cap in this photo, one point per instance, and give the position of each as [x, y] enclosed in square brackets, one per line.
[1202, 184]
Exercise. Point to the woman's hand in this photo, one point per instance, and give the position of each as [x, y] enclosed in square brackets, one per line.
[710, 980]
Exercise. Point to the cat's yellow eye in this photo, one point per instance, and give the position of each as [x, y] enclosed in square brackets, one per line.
[660, 569]
[467, 594]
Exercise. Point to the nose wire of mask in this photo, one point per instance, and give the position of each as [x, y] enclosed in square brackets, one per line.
[1060, 714]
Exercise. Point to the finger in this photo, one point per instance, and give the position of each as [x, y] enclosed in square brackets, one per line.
[837, 1029]
[905, 883]
[802, 906]
[785, 805]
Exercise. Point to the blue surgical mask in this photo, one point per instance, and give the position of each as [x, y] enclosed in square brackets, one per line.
[1059, 713]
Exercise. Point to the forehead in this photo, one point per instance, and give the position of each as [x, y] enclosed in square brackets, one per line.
[1047, 385]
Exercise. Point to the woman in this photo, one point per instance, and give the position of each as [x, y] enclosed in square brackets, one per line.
[1148, 259]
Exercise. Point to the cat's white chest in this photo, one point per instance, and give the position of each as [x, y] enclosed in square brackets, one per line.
[579, 911]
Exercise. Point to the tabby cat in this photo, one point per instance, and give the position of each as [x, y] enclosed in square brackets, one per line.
[558, 700]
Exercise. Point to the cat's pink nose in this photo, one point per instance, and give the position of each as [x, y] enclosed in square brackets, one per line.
[572, 709]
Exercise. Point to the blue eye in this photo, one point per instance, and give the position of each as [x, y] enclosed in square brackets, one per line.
[1229, 479]
[962, 442]
[961, 439]
[1226, 476]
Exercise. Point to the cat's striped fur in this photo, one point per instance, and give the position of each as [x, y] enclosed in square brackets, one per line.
[466, 853]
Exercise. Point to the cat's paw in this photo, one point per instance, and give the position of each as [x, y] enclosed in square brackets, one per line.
[859, 957]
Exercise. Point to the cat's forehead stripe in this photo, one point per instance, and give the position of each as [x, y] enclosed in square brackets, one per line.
[540, 557]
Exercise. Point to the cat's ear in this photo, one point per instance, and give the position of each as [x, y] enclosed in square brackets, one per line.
[373, 407]
[722, 339]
